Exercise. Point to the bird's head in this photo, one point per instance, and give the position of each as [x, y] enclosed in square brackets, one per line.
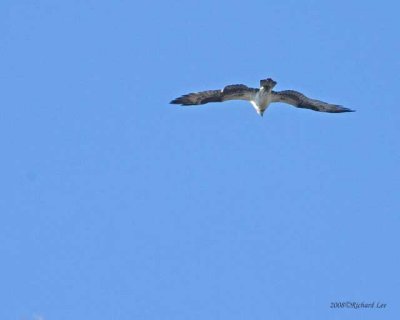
[267, 84]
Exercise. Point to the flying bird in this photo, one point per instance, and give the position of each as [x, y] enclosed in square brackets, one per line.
[260, 98]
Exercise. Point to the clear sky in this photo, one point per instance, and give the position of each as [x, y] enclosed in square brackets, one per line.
[115, 204]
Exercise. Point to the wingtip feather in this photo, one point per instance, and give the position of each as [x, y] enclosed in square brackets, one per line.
[344, 109]
[183, 100]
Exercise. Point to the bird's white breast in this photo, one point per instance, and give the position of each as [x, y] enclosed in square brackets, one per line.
[262, 100]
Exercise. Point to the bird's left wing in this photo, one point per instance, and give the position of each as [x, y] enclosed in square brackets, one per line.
[231, 92]
[299, 100]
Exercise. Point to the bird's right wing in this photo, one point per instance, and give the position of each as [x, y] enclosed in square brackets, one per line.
[299, 100]
[231, 92]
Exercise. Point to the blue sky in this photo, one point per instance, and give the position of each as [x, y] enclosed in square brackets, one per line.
[117, 205]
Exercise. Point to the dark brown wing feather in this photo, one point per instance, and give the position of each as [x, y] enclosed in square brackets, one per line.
[231, 92]
[199, 98]
[299, 100]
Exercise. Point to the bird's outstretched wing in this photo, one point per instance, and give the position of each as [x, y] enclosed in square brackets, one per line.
[231, 92]
[299, 100]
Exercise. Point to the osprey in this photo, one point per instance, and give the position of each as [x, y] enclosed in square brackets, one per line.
[259, 98]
